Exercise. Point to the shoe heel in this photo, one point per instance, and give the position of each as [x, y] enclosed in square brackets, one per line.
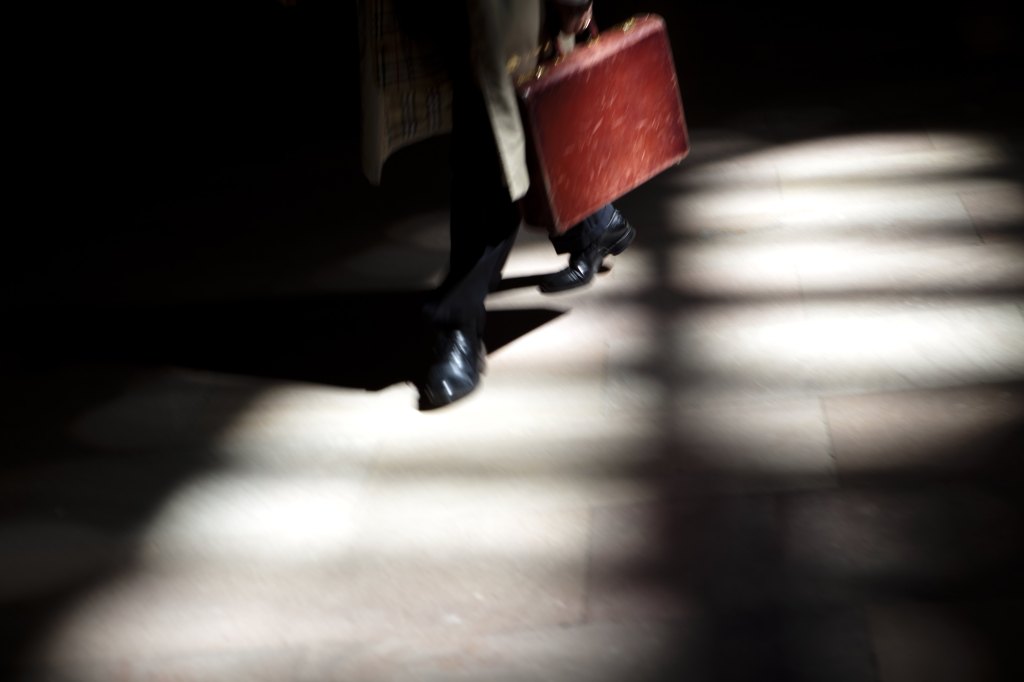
[624, 242]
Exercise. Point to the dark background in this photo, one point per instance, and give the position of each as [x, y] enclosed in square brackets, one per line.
[235, 77]
[120, 108]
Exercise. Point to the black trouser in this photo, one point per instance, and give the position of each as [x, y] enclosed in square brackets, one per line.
[484, 219]
[585, 233]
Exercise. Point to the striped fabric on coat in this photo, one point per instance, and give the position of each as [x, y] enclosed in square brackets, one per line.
[406, 93]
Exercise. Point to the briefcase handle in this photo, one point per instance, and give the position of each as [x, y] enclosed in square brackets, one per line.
[547, 51]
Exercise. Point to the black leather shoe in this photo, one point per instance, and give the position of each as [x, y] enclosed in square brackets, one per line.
[585, 264]
[457, 364]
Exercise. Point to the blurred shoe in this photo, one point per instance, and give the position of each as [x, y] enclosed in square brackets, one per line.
[585, 264]
[458, 361]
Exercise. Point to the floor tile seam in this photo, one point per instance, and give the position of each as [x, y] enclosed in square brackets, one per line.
[415, 636]
[906, 308]
[586, 606]
[811, 393]
[1016, 384]
[899, 251]
[491, 638]
[208, 653]
[575, 504]
[972, 218]
[898, 311]
[914, 188]
[827, 424]
[868, 243]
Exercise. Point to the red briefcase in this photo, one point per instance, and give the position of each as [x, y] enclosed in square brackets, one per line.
[600, 122]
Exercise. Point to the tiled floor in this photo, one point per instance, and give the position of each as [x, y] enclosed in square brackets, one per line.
[781, 439]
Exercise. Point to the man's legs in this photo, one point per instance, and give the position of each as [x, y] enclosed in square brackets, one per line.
[484, 223]
[484, 220]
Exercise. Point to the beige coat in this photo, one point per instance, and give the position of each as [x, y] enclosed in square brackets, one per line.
[406, 96]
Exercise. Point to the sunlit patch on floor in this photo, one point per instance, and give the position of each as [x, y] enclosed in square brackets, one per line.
[808, 303]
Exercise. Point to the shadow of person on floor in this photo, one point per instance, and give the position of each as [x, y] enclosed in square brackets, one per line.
[99, 429]
[366, 341]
